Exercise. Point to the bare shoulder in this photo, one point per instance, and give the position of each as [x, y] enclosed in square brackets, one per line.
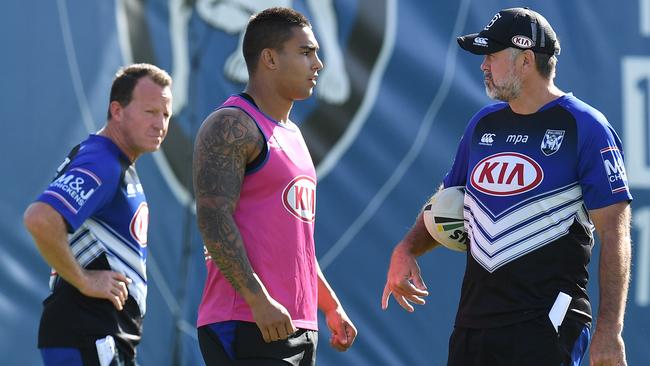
[229, 127]
[227, 140]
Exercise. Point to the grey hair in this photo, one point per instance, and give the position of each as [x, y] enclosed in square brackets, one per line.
[544, 63]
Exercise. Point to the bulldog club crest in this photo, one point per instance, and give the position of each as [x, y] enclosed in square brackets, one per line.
[200, 42]
[552, 141]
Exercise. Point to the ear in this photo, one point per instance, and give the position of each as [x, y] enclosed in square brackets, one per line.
[528, 59]
[116, 110]
[269, 58]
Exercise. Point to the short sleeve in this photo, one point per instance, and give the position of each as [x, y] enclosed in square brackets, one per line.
[457, 175]
[601, 166]
[81, 190]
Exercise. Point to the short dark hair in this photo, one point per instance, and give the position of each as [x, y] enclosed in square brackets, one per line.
[127, 77]
[270, 28]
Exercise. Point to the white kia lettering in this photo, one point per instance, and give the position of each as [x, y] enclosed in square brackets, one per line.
[506, 174]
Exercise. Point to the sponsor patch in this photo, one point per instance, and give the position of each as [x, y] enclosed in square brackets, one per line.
[481, 41]
[614, 168]
[506, 174]
[516, 139]
[522, 41]
[140, 224]
[552, 141]
[74, 187]
[299, 198]
[487, 139]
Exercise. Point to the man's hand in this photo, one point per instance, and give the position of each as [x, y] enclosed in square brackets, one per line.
[108, 285]
[342, 329]
[607, 349]
[272, 318]
[48, 229]
[404, 280]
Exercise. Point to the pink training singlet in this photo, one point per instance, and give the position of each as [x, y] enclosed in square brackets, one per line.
[275, 216]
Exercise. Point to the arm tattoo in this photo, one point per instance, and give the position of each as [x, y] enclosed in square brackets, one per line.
[226, 141]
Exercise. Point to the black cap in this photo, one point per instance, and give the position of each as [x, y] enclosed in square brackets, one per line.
[515, 27]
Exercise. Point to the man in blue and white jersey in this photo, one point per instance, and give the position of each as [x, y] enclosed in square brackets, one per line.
[90, 224]
[542, 170]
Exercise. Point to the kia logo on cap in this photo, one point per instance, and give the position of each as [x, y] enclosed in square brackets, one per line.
[522, 41]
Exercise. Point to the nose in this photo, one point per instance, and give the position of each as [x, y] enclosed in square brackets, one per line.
[160, 122]
[485, 64]
[318, 64]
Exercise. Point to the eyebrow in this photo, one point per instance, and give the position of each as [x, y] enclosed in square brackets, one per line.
[308, 48]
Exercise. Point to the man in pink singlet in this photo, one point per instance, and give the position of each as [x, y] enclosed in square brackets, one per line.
[255, 187]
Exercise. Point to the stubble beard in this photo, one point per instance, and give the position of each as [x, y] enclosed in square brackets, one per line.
[509, 89]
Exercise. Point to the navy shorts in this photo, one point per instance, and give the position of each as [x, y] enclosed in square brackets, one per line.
[240, 343]
[532, 343]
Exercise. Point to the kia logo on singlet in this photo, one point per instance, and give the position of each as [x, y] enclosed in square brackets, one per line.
[506, 174]
[299, 198]
[140, 224]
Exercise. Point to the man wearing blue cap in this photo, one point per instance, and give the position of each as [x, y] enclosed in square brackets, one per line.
[551, 174]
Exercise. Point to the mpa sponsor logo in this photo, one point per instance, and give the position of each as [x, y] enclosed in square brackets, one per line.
[522, 41]
[140, 224]
[299, 198]
[487, 139]
[481, 41]
[552, 141]
[614, 168]
[506, 174]
[515, 139]
[74, 187]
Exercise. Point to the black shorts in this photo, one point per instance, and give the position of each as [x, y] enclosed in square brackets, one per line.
[532, 343]
[240, 343]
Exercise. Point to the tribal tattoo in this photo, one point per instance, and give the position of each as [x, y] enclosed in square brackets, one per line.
[226, 142]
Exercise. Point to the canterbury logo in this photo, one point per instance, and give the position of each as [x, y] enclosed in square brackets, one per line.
[487, 138]
[481, 41]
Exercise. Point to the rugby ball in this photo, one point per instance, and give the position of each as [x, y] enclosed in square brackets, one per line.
[443, 217]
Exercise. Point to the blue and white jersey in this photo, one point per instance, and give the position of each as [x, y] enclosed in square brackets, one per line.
[530, 181]
[98, 193]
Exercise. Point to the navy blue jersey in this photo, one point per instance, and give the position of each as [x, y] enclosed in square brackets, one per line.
[530, 181]
[98, 193]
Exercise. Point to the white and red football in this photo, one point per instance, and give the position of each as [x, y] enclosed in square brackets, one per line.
[443, 217]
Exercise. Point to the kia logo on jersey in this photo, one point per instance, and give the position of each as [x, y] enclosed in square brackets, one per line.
[506, 174]
[140, 224]
[299, 198]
